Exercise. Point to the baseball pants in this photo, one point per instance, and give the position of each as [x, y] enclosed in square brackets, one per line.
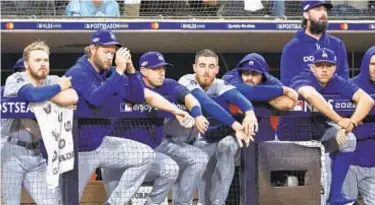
[117, 153]
[214, 188]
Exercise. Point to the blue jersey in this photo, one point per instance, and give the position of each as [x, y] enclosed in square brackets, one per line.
[150, 130]
[365, 133]
[96, 94]
[304, 129]
[297, 55]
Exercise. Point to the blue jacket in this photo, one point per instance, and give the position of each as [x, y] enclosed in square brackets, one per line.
[298, 54]
[98, 94]
[365, 152]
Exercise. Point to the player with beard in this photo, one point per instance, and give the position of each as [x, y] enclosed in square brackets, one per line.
[297, 53]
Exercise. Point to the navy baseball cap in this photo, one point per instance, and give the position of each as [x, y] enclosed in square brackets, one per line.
[251, 65]
[19, 66]
[307, 5]
[324, 55]
[153, 59]
[104, 37]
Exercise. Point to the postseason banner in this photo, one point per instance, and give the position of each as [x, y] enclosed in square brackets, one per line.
[169, 25]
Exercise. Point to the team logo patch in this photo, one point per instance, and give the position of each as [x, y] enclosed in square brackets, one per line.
[160, 57]
[251, 62]
[47, 108]
[193, 82]
[324, 54]
[20, 79]
[113, 36]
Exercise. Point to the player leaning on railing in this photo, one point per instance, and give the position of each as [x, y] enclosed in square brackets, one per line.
[21, 160]
[311, 85]
[97, 92]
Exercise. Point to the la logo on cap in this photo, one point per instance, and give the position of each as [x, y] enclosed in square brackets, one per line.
[251, 62]
[113, 36]
[324, 54]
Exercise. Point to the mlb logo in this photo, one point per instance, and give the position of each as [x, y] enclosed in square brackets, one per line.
[299, 106]
[126, 107]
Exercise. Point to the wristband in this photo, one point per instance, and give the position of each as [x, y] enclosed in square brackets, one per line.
[195, 111]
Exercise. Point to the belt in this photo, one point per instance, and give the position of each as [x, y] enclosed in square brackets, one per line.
[32, 145]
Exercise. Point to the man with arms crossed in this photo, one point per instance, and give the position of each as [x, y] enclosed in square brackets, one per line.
[21, 160]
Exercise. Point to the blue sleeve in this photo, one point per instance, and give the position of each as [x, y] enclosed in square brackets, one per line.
[212, 108]
[38, 94]
[235, 97]
[68, 9]
[95, 94]
[288, 65]
[260, 92]
[179, 90]
[343, 67]
[134, 91]
[345, 88]
[303, 79]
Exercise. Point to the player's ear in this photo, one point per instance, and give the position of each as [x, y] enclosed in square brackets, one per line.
[312, 66]
[306, 15]
[26, 64]
[195, 67]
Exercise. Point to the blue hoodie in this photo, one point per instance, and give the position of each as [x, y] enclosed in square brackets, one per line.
[298, 54]
[365, 152]
[96, 94]
[269, 88]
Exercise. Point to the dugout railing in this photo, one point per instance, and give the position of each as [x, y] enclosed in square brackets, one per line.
[268, 172]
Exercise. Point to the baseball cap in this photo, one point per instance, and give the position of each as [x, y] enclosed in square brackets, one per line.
[251, 65]
[153, 59]
[324, 55]
[18, 66]
[307, 5]
[104, 37]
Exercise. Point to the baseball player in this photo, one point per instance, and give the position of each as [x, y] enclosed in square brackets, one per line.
[311, 85]
[190, 159]
[224, 136]
[297, 54]
[98, 93]
[251, 78]
[361, 174]
[21, 161]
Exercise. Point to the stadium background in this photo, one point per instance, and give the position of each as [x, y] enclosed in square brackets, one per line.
[191, 31]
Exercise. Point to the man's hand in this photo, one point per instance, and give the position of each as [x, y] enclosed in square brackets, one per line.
[290, 93]
[341, 137]
[250, 123]
[201, 123]
[184, 118]
[122, 57]
[129, 65]
[242, 136]
[64, 82]
[346, 124]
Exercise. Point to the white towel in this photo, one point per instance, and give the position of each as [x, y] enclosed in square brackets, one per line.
[56, 124]
[253, 5]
